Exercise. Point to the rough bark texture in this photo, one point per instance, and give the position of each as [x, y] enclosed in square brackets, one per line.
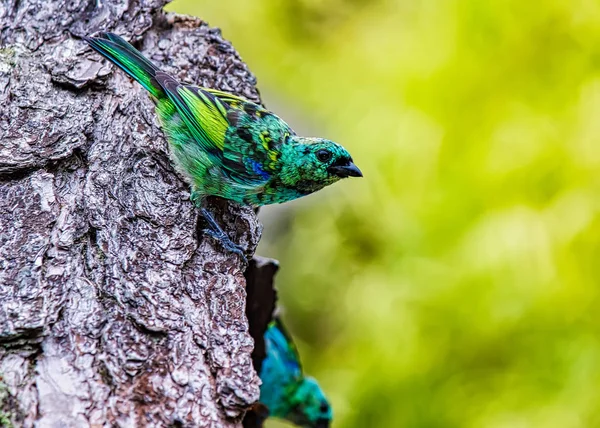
[115, 308]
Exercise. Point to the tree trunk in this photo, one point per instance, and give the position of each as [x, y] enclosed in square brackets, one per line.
[115, 308]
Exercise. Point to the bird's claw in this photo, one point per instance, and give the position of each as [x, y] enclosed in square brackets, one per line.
[219, 234]
[228, 244]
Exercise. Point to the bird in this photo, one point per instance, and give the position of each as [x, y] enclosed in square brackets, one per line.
[227, 146]
[285, 392]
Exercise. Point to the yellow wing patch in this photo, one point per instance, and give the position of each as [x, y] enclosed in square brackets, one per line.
[209, 114]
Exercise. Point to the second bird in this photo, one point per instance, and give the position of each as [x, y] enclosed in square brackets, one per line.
[227, 146]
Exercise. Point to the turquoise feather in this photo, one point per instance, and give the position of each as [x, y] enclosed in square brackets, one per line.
[285, 391]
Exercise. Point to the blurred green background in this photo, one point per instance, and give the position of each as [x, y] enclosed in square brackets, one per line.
[456, 285]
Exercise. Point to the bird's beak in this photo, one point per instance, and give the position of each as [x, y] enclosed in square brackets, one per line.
[343, 171]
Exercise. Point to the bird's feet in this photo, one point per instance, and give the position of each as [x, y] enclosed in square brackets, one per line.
[219, 234]
[227, 243]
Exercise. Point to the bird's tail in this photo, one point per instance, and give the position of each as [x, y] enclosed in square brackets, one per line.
[129, 59]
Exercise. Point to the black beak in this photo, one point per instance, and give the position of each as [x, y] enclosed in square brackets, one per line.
[343, 171]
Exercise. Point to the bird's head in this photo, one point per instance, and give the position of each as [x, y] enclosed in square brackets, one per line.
[309, 164]
[310, 407]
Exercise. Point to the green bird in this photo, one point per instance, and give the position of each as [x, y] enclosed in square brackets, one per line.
[285, 391]
[227, 146]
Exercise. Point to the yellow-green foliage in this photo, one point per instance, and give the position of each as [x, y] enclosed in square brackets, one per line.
[456, 285]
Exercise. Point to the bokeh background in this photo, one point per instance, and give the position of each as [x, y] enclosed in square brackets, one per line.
[456, 285]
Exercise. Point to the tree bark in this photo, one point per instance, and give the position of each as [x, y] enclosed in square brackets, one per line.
[115, 308]
[260, 308]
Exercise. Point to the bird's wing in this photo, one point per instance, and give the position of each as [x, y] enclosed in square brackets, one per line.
[232, 100]
[204, 115]
[208, 114]
[283, 345]
[251, 153]
[281, 373]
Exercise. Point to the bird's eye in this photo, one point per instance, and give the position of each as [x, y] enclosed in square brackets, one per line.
[324, 408]
[323, 155]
